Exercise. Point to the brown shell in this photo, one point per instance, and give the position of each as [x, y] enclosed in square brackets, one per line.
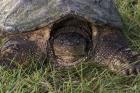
[27, 15]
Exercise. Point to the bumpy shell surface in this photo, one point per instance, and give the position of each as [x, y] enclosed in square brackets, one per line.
[27, 15]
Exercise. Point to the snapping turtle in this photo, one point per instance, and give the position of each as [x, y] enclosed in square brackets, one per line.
[66, 32]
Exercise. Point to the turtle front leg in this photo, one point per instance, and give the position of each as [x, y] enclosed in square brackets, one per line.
[21, 49]
[112, 51]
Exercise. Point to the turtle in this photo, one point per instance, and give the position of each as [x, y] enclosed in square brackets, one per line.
[65, 32]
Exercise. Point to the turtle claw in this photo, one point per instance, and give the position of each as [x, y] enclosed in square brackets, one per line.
[133, 68]
[136, 68]
[125, 72]
[132, 71]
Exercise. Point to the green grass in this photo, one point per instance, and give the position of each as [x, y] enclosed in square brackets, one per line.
[85, 78]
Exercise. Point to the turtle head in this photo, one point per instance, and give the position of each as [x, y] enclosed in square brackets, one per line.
[70, 47]
[70, 44]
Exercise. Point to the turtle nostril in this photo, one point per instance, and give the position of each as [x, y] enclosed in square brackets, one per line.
[68, 43]
[61, 41]
[77, 42]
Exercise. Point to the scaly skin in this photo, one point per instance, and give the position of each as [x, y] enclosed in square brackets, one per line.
[112, 51]
[20, 49]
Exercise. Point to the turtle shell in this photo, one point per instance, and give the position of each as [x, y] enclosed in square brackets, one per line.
[28, 15]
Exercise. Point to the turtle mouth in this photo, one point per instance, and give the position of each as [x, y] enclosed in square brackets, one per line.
[69, 61]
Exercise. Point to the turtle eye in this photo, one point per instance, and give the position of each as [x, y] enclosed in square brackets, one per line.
[61, 41]
[77, 42]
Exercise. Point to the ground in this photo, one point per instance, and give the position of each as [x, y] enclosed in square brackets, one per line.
[85, 78]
